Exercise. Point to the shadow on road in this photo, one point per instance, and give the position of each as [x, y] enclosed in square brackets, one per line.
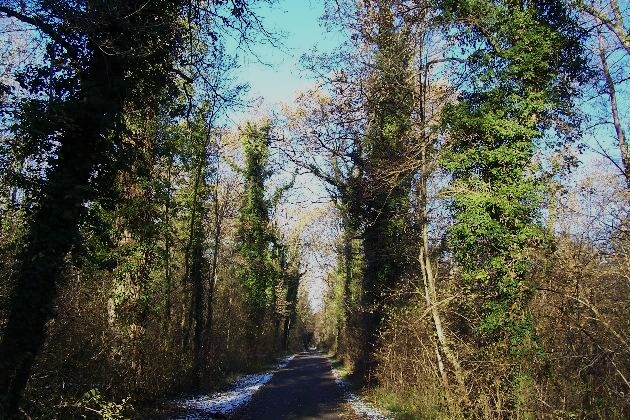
[304, 389]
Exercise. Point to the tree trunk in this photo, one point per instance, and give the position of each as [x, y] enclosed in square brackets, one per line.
[614, 108]
[196, 275]
[52, 233]
[372, 312]
[212, 280]
[168, 280]
[53, 230]
[433, 304]
[430, 289]
[198, 310]
[286, 333]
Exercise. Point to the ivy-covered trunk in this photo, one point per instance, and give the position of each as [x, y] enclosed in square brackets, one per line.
[96, 79]
[197, 272]
[255, 240]
[523, 58]
[387, 183]
[53, 227]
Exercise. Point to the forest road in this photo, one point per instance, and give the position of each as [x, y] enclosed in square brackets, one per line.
[304, 389]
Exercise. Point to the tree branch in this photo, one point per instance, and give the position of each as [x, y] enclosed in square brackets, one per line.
[616, 27]
[42, 26]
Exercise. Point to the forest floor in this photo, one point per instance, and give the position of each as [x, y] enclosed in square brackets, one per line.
[301, 387]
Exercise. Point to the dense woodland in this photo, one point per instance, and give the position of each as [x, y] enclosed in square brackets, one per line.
[474, 241]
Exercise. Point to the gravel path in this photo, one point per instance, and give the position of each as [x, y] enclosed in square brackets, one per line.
[304, 389]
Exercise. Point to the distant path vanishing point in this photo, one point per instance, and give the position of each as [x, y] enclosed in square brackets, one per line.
[304, 389]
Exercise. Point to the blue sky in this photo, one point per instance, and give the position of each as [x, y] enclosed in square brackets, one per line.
[279, 76]
[275, 80]
[297, 23]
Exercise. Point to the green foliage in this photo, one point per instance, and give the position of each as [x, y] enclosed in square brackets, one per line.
[255, 238]
[411, 404]
[496, 195]
[269, 269]
[389, 108]
[94, 404]
[117, 187]
[523, 61]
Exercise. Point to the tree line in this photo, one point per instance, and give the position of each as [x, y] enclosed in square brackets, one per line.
[448, 135]
[480, 271]
[139, 255]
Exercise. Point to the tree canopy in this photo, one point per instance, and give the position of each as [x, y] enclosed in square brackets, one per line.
[444, 209]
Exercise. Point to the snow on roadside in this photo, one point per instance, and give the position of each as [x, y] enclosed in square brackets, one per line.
[226, 402]
[284, 362]
[361, 407]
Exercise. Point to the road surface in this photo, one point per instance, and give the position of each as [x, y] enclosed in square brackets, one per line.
[304, 389]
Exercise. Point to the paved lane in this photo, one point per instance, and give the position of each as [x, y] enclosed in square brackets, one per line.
[304, 389]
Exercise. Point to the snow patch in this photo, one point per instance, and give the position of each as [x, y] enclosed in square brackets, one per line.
[284, 362]
[361, 407]
[226, 402]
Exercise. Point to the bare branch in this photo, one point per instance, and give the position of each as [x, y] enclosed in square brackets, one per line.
[42, 26]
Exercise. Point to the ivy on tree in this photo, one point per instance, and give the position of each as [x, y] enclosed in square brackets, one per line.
[523, 58]
[256, 240]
